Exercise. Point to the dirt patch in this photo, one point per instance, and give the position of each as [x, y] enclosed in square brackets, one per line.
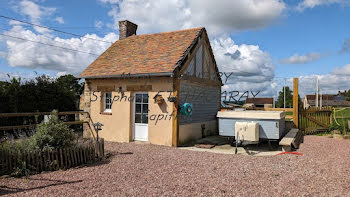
[144, 170]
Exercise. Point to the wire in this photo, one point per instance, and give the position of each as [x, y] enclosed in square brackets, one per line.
[53, 29]
[47, 44]
[40, 35]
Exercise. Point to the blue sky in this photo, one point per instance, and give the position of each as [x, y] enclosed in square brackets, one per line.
[277, 40]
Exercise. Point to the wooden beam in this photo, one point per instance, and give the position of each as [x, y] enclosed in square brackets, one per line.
[145, 88]
[277, 109]
[175, 120]
[6, 115]
[295, 102]
[4, 128]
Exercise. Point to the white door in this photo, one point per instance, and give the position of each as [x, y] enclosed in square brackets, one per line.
[141, 116]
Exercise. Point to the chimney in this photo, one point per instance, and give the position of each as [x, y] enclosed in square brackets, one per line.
[126, 29]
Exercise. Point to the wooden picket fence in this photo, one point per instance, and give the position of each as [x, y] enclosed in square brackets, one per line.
[38, 161]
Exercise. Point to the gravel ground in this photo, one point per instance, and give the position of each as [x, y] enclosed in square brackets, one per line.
[145, 170]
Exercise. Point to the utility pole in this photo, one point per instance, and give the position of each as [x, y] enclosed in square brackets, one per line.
[316, 104]
[284, 94]
[320, 98]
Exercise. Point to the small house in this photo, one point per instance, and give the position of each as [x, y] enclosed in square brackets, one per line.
[332, 100]
[162, 88]
[260, 102]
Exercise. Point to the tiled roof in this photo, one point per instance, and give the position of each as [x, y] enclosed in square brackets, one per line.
[324, 97]
[141, 54]
[259, 100]
[339, 103]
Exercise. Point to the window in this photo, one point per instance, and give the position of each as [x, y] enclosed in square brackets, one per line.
[141, 108]
[107, 104]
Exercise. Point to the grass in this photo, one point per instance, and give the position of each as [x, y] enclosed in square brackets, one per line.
[344, 113]
[343, 116]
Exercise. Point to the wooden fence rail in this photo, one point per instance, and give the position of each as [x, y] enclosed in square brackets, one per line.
[81, 118]
[38, 161]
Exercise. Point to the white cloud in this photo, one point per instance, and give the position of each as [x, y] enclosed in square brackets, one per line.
[59, 20]
[22, 53]
[35, 13]
[302, 59]
[61, 73]
[313, 3]
[224, 17]
[251, 68]
[342, 71]
[98, 24]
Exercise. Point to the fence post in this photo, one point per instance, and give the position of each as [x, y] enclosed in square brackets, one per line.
[295, 103]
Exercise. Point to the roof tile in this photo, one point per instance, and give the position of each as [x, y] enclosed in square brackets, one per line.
[141, 54]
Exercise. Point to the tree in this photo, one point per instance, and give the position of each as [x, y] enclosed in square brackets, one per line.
[289, 98]
[40, 94]
[347, 95]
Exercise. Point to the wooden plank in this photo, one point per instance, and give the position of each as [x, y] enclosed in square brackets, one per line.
[2, 157]
[10, 160]
[6, 115]
[33, 159]
[78, 156]
[289, 138]
[109, 88]
[75, 157]
[4, 128]
[71, 152]
[38, 161]
[139, 88]
[57, 159]
[175, 120]
[6, 161]
[277, 109]
[67, 158]
[61, 158]
[29, 161]
[295, 102]
[48, 161]
[81, 156]
[293, 138]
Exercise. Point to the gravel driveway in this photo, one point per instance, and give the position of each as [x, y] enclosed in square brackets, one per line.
[145, 170]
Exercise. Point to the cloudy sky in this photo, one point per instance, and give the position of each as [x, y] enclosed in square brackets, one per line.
[264, 43]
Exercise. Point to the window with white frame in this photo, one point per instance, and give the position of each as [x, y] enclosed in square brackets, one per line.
[107, 102]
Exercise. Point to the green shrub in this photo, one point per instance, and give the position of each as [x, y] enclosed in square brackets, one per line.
[335, 126]
[52, 134]
[23, 145]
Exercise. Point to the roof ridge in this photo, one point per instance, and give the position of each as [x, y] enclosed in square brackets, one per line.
[167, 32]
